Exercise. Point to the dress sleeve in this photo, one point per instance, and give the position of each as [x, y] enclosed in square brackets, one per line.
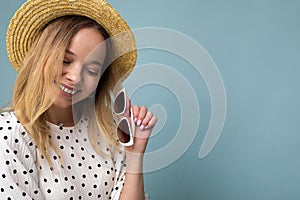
[19, 175]
[120, 166]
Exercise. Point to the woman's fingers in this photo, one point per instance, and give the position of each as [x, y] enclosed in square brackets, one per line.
[135, 113]
[127, 111]
[146, 120]
[143, 118]
[151, 122]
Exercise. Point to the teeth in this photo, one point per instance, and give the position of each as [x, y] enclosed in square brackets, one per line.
[66, 90]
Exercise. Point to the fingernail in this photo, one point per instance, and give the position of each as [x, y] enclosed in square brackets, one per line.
[146, 127]
[142, 127]
[139, 122]
[135, 120]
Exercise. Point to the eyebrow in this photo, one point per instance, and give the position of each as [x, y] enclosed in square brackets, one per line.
[94, 62]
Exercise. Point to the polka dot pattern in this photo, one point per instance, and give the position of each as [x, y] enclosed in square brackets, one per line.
[77, 173]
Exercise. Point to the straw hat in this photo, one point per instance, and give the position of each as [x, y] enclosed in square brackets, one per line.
[34, 15]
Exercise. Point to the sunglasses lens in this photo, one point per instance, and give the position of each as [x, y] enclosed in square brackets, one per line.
[119, 104]
[123, 131]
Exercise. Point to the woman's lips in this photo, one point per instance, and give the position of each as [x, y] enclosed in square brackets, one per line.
[67, 90]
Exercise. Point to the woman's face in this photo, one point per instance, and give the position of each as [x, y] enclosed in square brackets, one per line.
[82, 67]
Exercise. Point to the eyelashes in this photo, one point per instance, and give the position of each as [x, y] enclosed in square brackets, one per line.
[92, 72]
[67, 62]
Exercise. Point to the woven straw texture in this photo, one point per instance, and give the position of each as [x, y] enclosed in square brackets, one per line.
[32, 17]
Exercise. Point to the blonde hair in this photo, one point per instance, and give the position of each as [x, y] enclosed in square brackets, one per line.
[39, 77]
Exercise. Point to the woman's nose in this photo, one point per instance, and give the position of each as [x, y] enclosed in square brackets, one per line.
[73, 75]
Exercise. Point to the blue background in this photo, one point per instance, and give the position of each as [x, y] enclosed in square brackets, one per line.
[255, 45]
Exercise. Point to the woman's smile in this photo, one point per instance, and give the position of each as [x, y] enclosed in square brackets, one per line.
[66, 90]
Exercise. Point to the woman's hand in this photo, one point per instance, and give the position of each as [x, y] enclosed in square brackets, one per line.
[144, 122]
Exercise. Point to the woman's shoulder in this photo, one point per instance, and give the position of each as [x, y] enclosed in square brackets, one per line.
[9, 122]
[11, 130]
[15, 143]
[8, 117]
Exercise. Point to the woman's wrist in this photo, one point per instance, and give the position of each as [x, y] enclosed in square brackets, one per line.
[134, 162]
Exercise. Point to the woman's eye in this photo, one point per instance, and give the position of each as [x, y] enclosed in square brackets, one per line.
[67, 62]
[92, 72]
[92, 69]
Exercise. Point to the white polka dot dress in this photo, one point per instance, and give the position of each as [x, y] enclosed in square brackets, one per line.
[80, 173]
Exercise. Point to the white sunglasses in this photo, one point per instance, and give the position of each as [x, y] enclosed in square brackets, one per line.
[125, 128]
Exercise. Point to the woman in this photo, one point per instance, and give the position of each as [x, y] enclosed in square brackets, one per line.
[58, 140]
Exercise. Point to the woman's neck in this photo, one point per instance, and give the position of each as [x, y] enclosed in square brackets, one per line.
[60, 116]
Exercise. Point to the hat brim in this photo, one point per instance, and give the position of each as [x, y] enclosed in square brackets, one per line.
[29, 21]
